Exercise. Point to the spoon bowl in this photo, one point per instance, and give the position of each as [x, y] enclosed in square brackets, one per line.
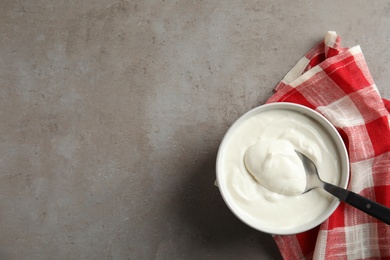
[366, 205]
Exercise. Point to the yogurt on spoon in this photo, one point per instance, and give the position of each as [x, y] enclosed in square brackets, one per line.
[276, 166]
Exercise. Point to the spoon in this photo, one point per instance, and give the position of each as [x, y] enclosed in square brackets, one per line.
[370, 207]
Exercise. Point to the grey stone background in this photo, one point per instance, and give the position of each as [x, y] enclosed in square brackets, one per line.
[111, 113]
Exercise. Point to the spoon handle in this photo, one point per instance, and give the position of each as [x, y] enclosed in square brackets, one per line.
[370, 207]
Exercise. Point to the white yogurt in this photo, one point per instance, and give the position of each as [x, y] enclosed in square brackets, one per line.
[276, 166]
[265, 178]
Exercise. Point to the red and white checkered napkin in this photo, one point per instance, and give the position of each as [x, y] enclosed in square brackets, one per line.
[336, 82]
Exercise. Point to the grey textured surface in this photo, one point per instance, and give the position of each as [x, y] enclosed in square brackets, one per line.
[112, 112]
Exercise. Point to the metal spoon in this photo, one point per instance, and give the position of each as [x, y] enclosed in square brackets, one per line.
[370, 207]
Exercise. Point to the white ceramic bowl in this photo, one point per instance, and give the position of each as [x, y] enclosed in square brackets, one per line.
[342, 157]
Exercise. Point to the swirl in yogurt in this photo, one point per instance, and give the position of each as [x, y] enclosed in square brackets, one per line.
[276, 166]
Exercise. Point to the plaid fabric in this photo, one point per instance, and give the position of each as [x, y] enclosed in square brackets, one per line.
[336, 82]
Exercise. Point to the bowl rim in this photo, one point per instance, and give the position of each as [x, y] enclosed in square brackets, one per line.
[329, 128]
